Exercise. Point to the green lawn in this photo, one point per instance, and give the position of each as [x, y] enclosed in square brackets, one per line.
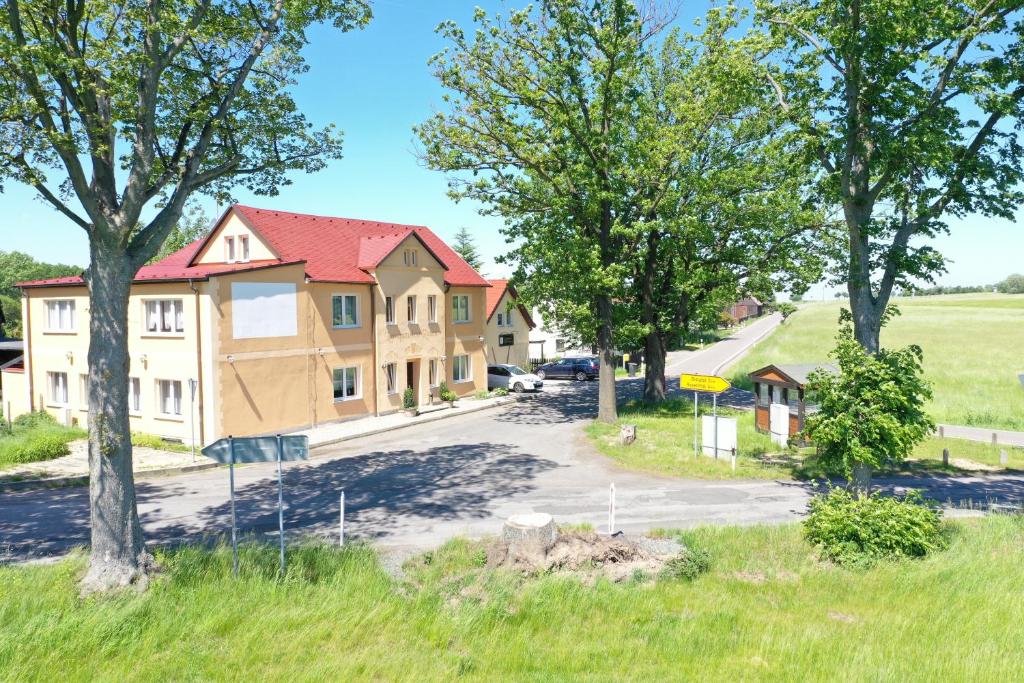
[972, 352]
[33, 438]
[664, 445]
[768, 610]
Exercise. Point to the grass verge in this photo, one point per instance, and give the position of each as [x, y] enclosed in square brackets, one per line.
[767, 610]
[33, 438]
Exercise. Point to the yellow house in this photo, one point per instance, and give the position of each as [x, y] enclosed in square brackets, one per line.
[276, 321]
[508, 326]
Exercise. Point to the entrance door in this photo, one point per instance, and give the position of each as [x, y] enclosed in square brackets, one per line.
[410, 379]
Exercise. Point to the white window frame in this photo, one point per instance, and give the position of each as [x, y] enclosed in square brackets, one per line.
[389, 310]
[357, 391]
[432, 372]
[468, 377]
[83, 391]
[344, 309]
[52, 384]
[134, 396]
[505, 319]
[177, 306]
[243, 248]
[410, 257]
[455, 309]
[229, 249]
[432, 308]
[72, 316]
[410, 309]
[391, 376]
[160, 399]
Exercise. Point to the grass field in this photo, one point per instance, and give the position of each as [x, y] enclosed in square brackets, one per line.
[664, 445]
[973, 350]
[768, 610]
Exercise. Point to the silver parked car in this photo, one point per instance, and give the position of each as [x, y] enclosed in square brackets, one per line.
[513, 378]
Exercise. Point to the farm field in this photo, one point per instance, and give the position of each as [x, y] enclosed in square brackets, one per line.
[973, 351]
[768, 609]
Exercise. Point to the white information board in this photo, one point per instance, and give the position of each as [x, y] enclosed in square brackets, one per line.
[263, 309]
[726, 435]
[778, 415]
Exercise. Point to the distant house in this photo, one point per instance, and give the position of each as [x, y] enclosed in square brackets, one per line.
[746, 308]
[548, 340]
[508, 326]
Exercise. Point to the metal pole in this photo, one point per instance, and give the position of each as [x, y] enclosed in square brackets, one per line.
[611, 509]
[715, 412]
[192, 416]
[696, 426]
[280, 502]
[341, 523]
[234, 528]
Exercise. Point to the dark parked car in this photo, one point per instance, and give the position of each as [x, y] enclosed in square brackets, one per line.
[569, 368]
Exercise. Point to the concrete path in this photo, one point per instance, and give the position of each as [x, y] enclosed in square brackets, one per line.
[414, 488]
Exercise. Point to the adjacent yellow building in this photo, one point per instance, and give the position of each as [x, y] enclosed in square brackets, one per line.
[276, 321]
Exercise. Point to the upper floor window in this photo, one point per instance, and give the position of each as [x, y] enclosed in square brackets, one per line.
[460, 308]
[410, 308]
[60, 315]
[165, 316]
[505, 319]
[389, 310]
[243, 248]
[432, 308]
[229, 249]
[410, 257]
[345, 311]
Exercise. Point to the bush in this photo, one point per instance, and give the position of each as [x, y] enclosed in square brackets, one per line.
[851, 528]
[445, 393]
[33, 447]
[34, 421]
[688, 564]
[500, 391]
[483, 393]
[408, 398]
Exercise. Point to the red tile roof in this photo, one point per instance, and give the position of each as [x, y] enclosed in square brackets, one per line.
[494, 294]
[333, 250]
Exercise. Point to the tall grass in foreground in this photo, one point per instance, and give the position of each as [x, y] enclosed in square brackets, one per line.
[768, 610]
[972, 352]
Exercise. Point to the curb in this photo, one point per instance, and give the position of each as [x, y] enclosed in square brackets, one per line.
[441, 415]
[83, 479]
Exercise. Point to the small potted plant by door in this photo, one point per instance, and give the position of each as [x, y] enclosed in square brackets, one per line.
[409, 402]
[447, 395]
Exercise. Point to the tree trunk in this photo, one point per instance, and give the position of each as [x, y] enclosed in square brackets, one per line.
[119, 556]
[607, 410]
[861, 477]
[654, 373]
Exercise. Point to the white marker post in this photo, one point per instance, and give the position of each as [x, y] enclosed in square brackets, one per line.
[696, 448]
[280, 500]
[341, 521]
[231, 483]
[611, 509]
[714, 412]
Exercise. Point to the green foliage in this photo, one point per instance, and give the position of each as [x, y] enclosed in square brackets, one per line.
[192, 225]
[872, 411]
[688, 564]
[500, 391]
[445, 393]
[35, 437]
[408, 398]
[35, 420]
[144, 440]
[785, 308]
[1014, 284]
[465, 247]
[16, 266]
[851, 528]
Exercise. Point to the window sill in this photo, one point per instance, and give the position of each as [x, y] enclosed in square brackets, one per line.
[163, 335]
[462, 381]
[170, 418]
[461, 322]
[346, 327]
[348, 399]
[58, 406]
[64, 332]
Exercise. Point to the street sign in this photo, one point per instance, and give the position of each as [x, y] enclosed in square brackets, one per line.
[711, 384]
[259, 449]
[232, 451]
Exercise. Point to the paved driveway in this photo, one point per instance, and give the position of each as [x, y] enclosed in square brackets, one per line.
[418, 486]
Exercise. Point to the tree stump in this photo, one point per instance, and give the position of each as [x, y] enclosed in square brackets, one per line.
[534, 532]
[627, 435]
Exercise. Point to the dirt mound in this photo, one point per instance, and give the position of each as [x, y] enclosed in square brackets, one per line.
[616, 558]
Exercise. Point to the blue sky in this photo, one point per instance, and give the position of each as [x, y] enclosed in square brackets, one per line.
[375, 85]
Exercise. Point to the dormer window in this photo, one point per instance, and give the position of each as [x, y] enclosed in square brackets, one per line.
[229, 249]
[410, 257]
[243, 248]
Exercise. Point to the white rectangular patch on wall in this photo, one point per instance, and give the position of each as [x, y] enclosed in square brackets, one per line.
[263, 309]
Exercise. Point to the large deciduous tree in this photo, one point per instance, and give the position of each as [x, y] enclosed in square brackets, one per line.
[116, 111]
[539, 125]
[915, 108]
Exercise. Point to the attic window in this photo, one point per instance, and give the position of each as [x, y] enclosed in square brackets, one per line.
[243, 247]
[410, 257]
[229, 249]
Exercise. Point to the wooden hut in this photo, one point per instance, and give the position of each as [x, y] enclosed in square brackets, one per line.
[785, 384]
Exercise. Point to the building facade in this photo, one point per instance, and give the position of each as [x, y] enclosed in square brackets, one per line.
[508, 326]
[274, 322]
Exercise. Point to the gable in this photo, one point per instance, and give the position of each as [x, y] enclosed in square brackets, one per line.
[214, 248]
[396, 254]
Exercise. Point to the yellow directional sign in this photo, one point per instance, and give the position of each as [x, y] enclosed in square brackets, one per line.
[711, 384]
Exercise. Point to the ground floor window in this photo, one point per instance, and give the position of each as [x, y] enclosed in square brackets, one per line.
[58, 383]
[432, 366]
[169, 393]
[83, 391]
[134, 395]
[346, 383]
[391, 372]
[462, 369]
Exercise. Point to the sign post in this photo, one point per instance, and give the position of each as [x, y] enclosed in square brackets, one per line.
[711, 384]
[192, 384]
[254, 449]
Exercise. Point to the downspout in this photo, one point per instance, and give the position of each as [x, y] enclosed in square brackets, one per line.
[27, 317]
[199, 365]
[373, 344]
